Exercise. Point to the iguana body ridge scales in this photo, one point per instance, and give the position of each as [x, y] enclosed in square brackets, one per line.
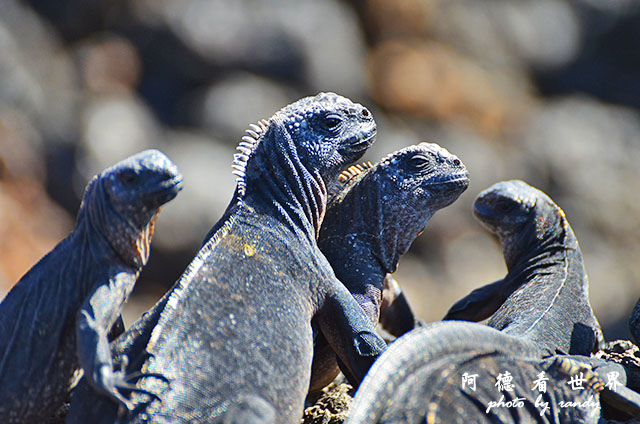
[238, 321]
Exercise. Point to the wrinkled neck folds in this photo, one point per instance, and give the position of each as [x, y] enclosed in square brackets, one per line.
[102, 222]
[385, 222]
[542, 245]
[279, 181]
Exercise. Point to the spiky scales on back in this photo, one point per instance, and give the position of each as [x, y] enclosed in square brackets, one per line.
[373, 221]
[58, 315]
[346, 177]
[245, 149]
[239, 319]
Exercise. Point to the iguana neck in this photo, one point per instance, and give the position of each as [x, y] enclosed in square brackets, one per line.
[353, 260]
[108, 230]
[279, 184]
[388, 226]
[539, 251]
[357, 267]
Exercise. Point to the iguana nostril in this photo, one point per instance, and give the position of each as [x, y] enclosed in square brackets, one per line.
[365, 112]
[456, 162]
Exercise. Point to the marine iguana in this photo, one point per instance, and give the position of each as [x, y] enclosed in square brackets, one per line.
[634, 323]
[421, 379]
[396, 314]
[238, 321]
[375, 214]
[545, 295]
[58, 315]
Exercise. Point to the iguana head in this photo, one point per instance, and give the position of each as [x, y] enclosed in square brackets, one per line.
[390, 203]
[330, 131]
[290, 159]
[423, 177]
[121, 202]
[521, 216]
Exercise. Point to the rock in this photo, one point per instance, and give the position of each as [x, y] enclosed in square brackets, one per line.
[205, 164]
[114, 127]
[385, 20]
[332, 406]
[606, 64]
[627, 354]
[229, 106]
[577, 143]
[75, 19]
[109, 64]
[33, 76]
[30, 223]
[316, 43]
[538, 34]
[431, 80]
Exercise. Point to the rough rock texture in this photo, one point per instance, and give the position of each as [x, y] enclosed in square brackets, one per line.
[627, 354]
[331, 405]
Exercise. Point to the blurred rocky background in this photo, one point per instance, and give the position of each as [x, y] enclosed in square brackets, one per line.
[546, 91]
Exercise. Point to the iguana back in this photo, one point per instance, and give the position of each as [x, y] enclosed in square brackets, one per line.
[239, 319]
[375, 214]
[92, 270]
[460, 372]
[545, 295]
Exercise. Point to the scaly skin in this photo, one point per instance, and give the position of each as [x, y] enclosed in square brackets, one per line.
[543, 309]
[545, 295]
[238, 322]
[634, 323]
[373, 220]
[58, 315]
[419, 380]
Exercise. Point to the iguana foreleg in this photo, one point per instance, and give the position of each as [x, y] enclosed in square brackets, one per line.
[481, 303]
[94, 322]
[350, 333]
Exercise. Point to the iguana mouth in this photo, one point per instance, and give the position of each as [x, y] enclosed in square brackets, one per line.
[166, 191]
[484, 214]
[362, 144]
[461, 178]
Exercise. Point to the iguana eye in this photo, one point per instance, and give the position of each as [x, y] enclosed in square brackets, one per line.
[128, 176]
[505, 205]
[332, 121]
[421, 162]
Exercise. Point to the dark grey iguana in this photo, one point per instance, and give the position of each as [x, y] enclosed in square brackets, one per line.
[634, 322]
[453, 372]
[377, 212]
[545, 295]
[396, 314]
[238, 322]
[59, 314]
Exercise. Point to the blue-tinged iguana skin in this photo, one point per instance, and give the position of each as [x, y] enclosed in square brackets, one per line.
[419, 380]
[238, 322]
[376, 214]
[545, 295]
[58, 316]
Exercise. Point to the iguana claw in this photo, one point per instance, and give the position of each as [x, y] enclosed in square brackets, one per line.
[112, 382]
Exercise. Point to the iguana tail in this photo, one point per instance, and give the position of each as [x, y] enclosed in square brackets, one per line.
[250, 409]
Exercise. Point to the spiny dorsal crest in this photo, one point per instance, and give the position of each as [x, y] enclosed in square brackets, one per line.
[347, 176]
[245, 149]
